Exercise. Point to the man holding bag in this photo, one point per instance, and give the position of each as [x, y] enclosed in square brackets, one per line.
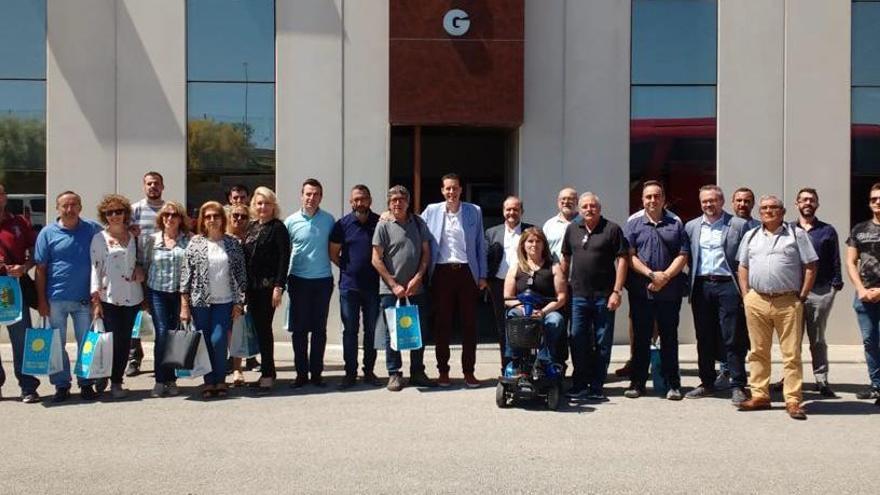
[401, 254]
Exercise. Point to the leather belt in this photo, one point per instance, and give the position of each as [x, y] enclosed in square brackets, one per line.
[714, 278]
[774, 295]
[452, 266]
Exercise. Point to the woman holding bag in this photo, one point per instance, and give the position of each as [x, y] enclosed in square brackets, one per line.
[267, 251]
[236, 226]
[212, 289]
[162, 258]
[116, 280]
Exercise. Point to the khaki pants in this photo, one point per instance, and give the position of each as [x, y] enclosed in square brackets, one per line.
[785, 314]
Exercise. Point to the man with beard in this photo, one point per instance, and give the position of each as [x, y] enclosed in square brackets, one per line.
[351, 249]
[501, 243]
[143, 221]
[743, 203]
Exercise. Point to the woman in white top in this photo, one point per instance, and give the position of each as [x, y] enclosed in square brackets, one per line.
[212, 289]
[116, 288]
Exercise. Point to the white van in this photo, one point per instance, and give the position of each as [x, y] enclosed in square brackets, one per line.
[32, 206]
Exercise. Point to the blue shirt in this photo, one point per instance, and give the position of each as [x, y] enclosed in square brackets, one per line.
[656, 245]
[65, 253]
[356, 270]
[711, 254]
[309, 243]
[823, 237]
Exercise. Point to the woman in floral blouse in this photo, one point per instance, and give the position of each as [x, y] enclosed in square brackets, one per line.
[237, 224]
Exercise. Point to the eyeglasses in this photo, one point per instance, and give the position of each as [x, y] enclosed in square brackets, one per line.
[770, 207]
[113, 213]
[171, 214]
[875, 199]
[239, 216]
[212, 216]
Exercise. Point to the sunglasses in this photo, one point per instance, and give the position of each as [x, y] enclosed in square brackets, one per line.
[875, 199]
[239, 216]
[113, 213]
[212, 216]
[171, 214]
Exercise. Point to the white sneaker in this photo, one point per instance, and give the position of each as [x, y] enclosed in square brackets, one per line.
[117, 392]
[158, 390]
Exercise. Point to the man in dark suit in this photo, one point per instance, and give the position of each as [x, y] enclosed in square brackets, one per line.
[501, 244]
[715, 294]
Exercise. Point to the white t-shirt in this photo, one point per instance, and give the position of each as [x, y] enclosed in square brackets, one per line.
[218, 274]
[554, 229]
[452, 244]
[511, 241]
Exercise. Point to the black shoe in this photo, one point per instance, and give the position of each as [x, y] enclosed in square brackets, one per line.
[825, 390]
[30, 398]
[133, 368]
[61, 395]
[251, 364]
[577, 392]
[101, 385]
[87, 392]
[300, 381]
[318, 381]
[370, 378]
[870, 393]
[420, 379]
[229, 369]
[348, 381]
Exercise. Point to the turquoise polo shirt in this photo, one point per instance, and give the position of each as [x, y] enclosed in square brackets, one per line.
[309, 242]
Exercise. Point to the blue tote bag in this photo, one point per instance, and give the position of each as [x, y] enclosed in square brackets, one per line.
[42, 351]
[404, 326]
[10, 300]
[95, 357]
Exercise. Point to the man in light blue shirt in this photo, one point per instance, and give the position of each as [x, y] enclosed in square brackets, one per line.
[309, 283]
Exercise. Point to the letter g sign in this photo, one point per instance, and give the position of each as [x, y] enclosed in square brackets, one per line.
[456, 22]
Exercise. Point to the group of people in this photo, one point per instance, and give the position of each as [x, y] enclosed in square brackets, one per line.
[745, 278]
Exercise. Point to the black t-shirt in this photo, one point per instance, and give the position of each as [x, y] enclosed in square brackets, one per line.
[540, 282]
[865, 237]
[593, 255]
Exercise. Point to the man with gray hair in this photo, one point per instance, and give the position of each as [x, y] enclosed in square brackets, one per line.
[777, 268]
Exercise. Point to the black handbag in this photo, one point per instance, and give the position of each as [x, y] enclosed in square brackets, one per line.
[29, 291]
[181, 346]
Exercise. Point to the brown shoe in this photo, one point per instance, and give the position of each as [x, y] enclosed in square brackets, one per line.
[755, 404]
[795, 411]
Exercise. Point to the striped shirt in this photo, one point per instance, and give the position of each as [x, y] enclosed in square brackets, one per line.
[163, 264]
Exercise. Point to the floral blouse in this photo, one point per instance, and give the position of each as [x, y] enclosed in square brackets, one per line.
[113, 270]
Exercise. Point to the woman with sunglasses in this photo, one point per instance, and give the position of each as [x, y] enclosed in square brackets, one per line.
[237, 224]
[267, 251]
[162, 258]
[212, 289]
[116, 280]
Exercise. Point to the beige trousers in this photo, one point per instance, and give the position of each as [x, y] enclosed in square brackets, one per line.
[785, 314]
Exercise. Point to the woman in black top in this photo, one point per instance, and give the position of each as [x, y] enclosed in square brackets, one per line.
[267, 254]
[535, 270]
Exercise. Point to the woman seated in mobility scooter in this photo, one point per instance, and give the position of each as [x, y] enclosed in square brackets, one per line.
[535, 291]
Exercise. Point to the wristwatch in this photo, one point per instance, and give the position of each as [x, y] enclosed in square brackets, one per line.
[651, 275]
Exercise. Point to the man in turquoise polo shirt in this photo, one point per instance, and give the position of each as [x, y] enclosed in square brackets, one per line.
[309, 283]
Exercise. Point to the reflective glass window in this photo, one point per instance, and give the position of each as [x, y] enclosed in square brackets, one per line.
[865, 101]
[230, 97]
[23, 39]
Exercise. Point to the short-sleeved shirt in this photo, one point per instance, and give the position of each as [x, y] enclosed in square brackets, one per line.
[16, 239]
[554, 230]
[656, 245]
[776, 259]
[143, 214]
[65, 254]
[309, 242]
[401, 244]
[164, 264]
[865, 237]
[356, 270]
[593, 254]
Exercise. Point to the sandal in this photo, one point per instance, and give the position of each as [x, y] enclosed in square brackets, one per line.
[237, 379]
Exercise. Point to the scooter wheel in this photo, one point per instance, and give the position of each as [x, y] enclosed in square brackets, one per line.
[500, 396]
[553, 397]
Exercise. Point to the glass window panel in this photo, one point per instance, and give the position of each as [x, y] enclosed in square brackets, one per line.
[865, 43]
[230, 40]
[674, 41]
[866, 105]
[22, 39]
[23, 136]
[666, 102]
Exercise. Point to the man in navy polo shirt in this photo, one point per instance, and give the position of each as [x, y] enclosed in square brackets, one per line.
[658, 251]
[351, 249]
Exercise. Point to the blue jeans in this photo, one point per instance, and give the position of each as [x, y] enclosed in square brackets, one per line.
[17, 331]
[868, 316]
[309, 305]
[554, 324]
[353, 304]
[393, 360]
[592, 335]
[81, 315]
[165, 310]
[214, 321]
[645, 312]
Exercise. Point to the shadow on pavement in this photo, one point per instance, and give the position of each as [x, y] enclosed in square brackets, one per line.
[841, 408]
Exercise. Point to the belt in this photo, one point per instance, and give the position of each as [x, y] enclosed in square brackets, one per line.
[452, 266]
[774, 295]
[714, 278]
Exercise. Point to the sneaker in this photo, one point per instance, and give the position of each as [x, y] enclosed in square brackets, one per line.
[30, 398]
[370, 378]
[420, 379]
[348, 381]
[61, 395]
[700, 392]
[738, 396]
[171, 389]
[117, 392]
[869, 393]
[577, 392]
[633, 392]
[596, 396]
[470, 381]
[673, 394]
[825, 390]
[777, 386]
[395, 382]
[158, 390]
[722, 381]
[444, 381]
[300, 381]
[87, 392]
[624, 371]
[133, 368]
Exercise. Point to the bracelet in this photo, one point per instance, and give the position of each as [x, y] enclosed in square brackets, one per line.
[615, 291]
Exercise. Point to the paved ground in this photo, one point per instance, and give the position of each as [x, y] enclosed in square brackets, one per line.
[455, 440]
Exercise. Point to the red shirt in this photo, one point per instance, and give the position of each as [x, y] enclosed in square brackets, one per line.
[16, 239]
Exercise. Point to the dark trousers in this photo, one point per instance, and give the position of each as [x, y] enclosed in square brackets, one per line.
[165, 310]
[309, 305]
[260, 308]
[119, 320]
[454, 291]
[645, 312]
[496, 291]
[353, 304]
[717, 309]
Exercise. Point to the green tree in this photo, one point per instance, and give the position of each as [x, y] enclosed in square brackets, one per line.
[218, 145]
